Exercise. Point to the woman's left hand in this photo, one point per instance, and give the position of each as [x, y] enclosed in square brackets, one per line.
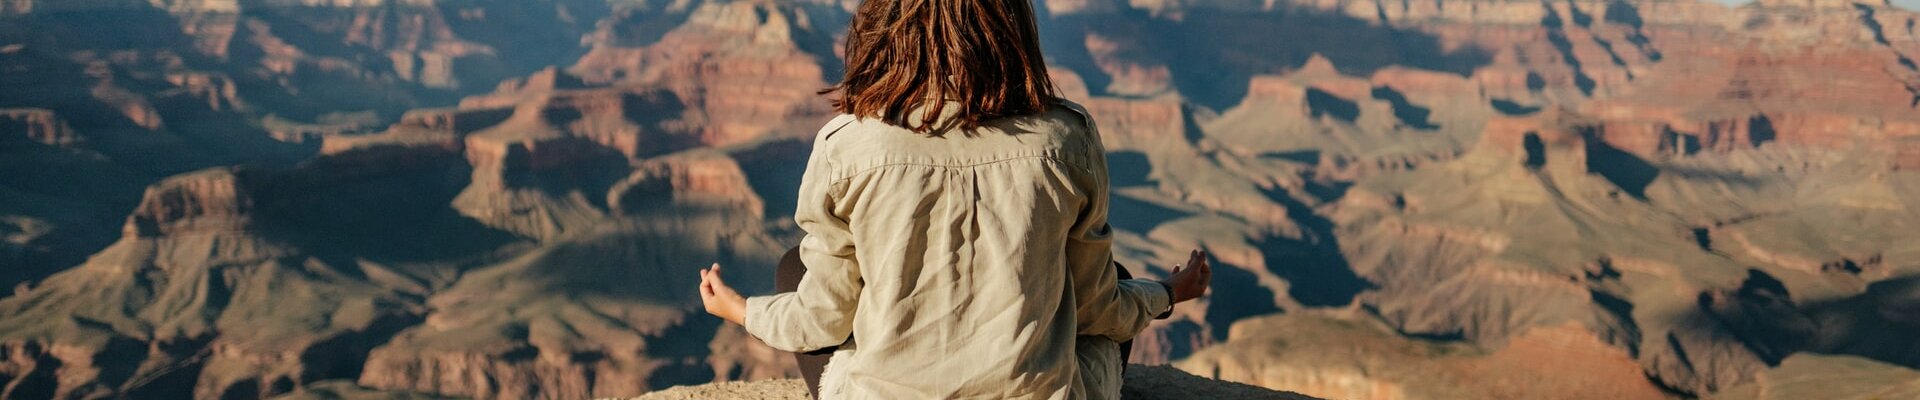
[721, 300]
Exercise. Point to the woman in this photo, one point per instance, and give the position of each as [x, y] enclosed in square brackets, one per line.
[955, 215]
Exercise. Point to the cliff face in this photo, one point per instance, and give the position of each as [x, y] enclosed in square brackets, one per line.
[751, 67]
[504, 199]
[38, 126]
[1347, 356]
[197, 297]
[1832, 377]
[573, 166]
[1586, 167]
[513, 278]
[128, 92]
[566, 319]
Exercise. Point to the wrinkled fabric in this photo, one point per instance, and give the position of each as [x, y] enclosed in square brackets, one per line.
[960, 264]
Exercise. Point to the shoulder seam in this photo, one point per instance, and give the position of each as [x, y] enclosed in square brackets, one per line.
[1086, 117]
[835, 125]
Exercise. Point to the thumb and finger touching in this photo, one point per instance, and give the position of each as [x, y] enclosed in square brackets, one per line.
[711, 284]
[706, 282]
[1195, 276]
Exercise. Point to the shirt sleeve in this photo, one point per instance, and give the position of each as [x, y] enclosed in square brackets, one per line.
[819, 313]
[1104, 304]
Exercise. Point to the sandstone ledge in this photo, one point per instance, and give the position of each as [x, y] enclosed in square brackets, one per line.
[1142, 382]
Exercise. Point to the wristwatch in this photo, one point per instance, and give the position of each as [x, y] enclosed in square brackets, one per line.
[1169, 311]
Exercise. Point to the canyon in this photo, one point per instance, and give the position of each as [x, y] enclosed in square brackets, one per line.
[1405, 200]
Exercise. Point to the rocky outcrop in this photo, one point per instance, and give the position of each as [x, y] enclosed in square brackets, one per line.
[208, 201]
[1829, 377]
[1749, 103]
[201, 297]
[1559, 167]
[576, 168]
[636, 120]
[1130, 72]
[1677, 195]
[1351, 357]
[552, 131]
[1140, 382]
[699, 180]
[502, 332]
[752, 68]
[1353, 126]
[507, 189]
[1906, 154]
[455, 121]
[38, 126]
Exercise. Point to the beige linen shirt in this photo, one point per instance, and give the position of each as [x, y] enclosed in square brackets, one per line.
[961, 265]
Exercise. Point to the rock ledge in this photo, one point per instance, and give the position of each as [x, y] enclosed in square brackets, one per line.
[1142, 382]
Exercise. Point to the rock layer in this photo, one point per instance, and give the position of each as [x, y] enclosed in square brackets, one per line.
[1456, 196]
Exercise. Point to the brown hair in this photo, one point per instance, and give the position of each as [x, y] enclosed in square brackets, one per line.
[908, 55]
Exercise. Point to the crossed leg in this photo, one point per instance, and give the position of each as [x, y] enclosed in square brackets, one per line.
[787, 278]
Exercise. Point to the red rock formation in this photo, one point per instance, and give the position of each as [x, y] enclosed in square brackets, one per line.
[604, 176]
[1158, 130]
[1727, 98]
[704, 180]
[512, 92]
[514, 338]
[411, 42]
[1139, 124]
[1070, 7]
[514, 374]
[1131, 71]
[1347, 357]
[1553, 129]
[217, 91]
[1907, 155]
[204, 303]
[394, 151]
[508, 178]
[529, 155]
[635, 120]
[741, 64]
[16, 7]
[1340, 124]
[36, 125]
[1419, 83]
[208, 201]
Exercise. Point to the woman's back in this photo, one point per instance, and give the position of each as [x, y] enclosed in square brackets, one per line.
[957, 243]
[961, 252]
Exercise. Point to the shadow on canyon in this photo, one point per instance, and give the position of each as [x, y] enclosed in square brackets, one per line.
[1212, 55]
[1763, 317]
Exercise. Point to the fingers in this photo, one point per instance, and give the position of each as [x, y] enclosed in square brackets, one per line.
[1206, 273]
[706, 285]
[1196, 259]
[714, 274]
[1202, 271]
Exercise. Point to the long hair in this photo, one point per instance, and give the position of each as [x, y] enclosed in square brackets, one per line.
[981, 56]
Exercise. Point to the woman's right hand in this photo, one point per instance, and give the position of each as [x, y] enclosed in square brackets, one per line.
[1190, 280]
[721, 300]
